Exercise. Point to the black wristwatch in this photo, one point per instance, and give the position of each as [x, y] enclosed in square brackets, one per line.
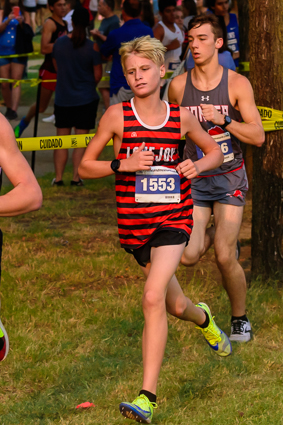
[115, 164]
[227, 121]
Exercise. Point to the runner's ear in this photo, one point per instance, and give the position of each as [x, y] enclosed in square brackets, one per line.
[162, 71]
[219, 43]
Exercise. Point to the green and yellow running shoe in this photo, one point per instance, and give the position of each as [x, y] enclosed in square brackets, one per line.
[214, 336]
[18, 130]
[140, 410]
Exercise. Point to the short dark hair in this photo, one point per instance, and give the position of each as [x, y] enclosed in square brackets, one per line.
[132, 8]
[210, 19]
[72, 3]
[110, 4]
[52, 2]
[162, 4]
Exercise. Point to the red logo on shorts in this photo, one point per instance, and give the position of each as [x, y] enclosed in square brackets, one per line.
[237, 193]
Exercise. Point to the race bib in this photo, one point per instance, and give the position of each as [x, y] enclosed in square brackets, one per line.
[158, 185]
[224, 141]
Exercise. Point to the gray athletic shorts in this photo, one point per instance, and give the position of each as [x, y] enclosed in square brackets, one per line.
[229, 188]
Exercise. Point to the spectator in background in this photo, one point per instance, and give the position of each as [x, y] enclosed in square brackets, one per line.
[93, 7]
[147, 15]
[132, 28]
[201, 8]
[11, 67]
[221, 8]
[78, 66]
[30, 13]
[54, 27]
[41, 8]
[179, 20]
[225, 57]
[70, 6]
[190, 10]
[108, 24]
[169, 34]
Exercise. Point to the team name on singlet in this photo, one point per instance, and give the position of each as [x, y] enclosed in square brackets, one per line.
[197, 111]
[164, 154]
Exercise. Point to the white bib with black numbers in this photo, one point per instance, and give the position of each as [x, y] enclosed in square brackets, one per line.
[158, 185]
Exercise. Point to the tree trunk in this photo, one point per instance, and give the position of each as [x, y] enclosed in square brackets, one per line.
[243, 16]
[266, 70]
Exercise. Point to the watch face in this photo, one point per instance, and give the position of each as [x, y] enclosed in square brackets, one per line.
[115, 164]
[227, 120]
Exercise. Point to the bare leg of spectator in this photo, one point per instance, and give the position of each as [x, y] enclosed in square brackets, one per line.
[5, 71]
[77, 156]
[17, 70]
[60, 156]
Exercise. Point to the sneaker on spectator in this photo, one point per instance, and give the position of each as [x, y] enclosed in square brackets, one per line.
[241, 330]
[18, 130]
[58, 183]
[49, 119]
[11, 114]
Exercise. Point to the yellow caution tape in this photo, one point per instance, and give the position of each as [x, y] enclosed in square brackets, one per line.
[244, 67]
[32, 81]
[20, 55]
[28, 144]
[272, 119]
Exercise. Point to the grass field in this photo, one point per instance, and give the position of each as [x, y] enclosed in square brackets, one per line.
[71, 303]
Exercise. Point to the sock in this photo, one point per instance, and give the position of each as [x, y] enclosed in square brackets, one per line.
[206, 322]
[244, 318]
[149, 395]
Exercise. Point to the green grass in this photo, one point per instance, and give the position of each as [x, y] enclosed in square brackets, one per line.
[71, 303]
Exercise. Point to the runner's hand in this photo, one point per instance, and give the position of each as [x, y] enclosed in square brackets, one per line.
[210, 113]
[139, 160]
[188, 168]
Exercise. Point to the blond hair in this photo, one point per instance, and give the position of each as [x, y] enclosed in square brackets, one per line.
[146, 47]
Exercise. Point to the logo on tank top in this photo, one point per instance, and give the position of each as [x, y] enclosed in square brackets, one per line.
[134, 134]
[204, 98]
[162, 154]
[197, 111]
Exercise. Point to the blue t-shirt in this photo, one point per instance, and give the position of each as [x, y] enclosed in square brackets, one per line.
[131, 29]
[107, 25]
[233, 40]
[225, 59]
[75, 77]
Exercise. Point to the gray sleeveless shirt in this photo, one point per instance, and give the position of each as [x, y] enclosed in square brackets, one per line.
[229, 144]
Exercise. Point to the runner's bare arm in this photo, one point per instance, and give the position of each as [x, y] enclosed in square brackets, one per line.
[213, 156]
[241, 94]
[158, 32]
[111, 127]
[26, 195]
[176, 89]
[48, 28]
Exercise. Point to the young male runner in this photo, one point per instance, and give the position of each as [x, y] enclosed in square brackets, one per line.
[154, 204]
[221, 100]
[24, 197]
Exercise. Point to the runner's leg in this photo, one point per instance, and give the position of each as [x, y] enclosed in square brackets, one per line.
[228, 219]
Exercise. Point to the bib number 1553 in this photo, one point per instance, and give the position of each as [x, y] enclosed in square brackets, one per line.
[157, 188]
[153, 184]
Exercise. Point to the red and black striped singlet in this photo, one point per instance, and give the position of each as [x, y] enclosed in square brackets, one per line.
[138, 221]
